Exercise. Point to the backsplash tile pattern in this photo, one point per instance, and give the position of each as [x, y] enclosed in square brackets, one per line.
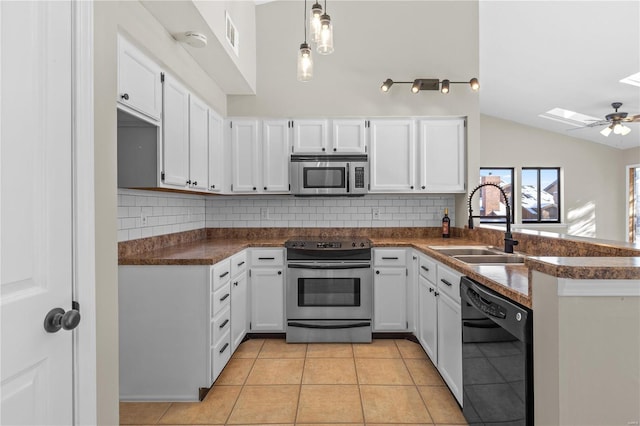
[297, 212]
[176, 212]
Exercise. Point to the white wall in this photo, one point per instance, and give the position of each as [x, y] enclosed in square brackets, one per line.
[593, 184]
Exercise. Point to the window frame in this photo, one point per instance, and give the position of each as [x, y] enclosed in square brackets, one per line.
[539, 220]
[491, 219]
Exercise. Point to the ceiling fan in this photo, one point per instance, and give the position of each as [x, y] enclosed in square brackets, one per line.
[615, 122]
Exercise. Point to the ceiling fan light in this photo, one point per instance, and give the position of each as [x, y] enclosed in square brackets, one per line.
[606, 131]
[624, 130]
[617, 129]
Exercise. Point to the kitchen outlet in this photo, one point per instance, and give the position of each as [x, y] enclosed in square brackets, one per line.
[375, 212]
[143, 219]
[264, 212]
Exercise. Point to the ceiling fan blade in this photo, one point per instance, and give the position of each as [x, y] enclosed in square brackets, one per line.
[633, 118]
[598, 123]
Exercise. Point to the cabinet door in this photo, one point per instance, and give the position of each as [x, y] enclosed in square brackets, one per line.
[198, 143]
[442, 155]
[349, 136]
[428, 318]
[267, 299]
[217, 161]
[175, 141]
[392, 155]
[275, 155]
[310, 136]
[450, 343]
[238, 309]
[139, 80]
[244, 150]
[390, 299]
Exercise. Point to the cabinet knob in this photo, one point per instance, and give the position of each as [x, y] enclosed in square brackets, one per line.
[265, 188]
[377, 272]
[423, 187]
[279, 272]
[189, 182]
[411, 186]
[125, 96]
[430, 290]
[436, 293]
[323, 149]
[254, 188]
[335, 149]
[213, 186]
[235, 283]
[195, 182]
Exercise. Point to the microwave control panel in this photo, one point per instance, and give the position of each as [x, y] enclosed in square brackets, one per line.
[359, 177]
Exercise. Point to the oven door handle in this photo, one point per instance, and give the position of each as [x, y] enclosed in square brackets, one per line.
[329, 326]
[329, 266]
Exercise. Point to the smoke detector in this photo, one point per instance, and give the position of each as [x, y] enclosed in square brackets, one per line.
[192, 38]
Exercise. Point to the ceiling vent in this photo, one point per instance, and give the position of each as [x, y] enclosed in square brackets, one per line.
[232, 34]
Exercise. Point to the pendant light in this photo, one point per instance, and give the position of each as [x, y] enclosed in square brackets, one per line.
[314, 21]
[305, 61]
[325, 44]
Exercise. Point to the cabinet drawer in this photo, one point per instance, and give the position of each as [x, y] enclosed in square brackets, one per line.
[238, 263]
[220, 325]
[267, 257]
[220, 298]
[427, 268]
[449, 282]
[220, 354]
[220, 274]
[389, 257]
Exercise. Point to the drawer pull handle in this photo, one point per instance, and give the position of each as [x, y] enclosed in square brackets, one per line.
[390, 258]
[224, 275]
[425, 268]
[446, 282]
[223, 298]
[224, 348]
[241, 263]
[224, 323]
[266, 258]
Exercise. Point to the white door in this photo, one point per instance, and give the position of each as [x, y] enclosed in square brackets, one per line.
[349, 136]
[36, 211]
[239, 294]
[428, 323]
[217, 156]
[450, 344]
[198, 143]
[442, 155]
[275, 155]
[267, 299]
[392, 162]
[175, 143]
[310, 136]
[390, 299]
[244, 155]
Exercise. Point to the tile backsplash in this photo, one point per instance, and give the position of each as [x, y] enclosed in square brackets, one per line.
[168, 212]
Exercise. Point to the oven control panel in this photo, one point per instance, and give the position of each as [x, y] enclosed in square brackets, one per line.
[303, 244]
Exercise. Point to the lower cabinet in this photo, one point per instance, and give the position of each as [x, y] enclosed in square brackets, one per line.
[267, 290]
[239, 292]
[390, 290]
[439, 321]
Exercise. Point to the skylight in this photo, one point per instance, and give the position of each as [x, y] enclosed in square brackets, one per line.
[633, 79]
[569, 117]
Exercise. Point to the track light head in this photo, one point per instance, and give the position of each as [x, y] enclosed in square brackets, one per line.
[445, 86]
[386, 85]
[417, 85]
[475, 84]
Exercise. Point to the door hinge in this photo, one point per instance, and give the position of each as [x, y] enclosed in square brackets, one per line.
[162, 176]
[75, 305]
[289, 187]
[249, 272]
[291, 149]
[407, 324]
[231, 124]
[250, 326]
[231, 187]
[407, 271]
[161, 77]
[369, 186]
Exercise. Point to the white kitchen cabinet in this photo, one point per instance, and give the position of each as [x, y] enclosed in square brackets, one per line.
[349, 135]
[450, 343]
[139, 81]
[239, 292]
[428, 317]
[198, 144]
[276, 135]
[442, 155]
[267, 289]
[175, 141]
[244, 155]
[217, 153]
[389, 299]
[310, 136]
[392, 155]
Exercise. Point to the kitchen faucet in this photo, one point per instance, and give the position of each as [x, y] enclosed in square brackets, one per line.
[509, 242]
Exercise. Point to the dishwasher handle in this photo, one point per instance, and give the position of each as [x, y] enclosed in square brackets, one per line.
[329, 265]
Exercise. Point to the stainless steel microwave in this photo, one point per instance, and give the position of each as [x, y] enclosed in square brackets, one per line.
[346, 175]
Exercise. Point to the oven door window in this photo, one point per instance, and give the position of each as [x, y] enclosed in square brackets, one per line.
[324, 177]
[328, 291]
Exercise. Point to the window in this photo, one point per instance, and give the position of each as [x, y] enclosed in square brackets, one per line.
[633, 212]
[492, 206]
[540, 194]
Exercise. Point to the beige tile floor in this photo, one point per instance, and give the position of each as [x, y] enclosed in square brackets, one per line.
[268, 381]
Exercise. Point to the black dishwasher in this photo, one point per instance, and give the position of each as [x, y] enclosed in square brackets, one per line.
[497, 357]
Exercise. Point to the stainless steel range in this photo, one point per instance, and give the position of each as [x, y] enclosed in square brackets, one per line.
[329, 290]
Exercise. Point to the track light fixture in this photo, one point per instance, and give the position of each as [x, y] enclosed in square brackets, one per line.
[430, 84]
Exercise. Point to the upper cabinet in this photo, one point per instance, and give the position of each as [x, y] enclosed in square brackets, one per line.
[275, 155]
[198, 144]
[392, 155]
[175, 141]
[139, 81]
[310, 136]
[442, 155]
[244, 155]
[217, 153]
[349, 135]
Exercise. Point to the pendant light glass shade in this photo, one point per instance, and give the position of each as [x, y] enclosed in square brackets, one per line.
[314, 22]
[305, 63]
[325, 44]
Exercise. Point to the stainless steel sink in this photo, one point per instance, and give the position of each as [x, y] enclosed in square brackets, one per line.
[491, 259]
[466, 251]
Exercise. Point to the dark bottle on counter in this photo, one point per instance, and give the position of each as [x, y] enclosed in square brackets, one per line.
[445, 224]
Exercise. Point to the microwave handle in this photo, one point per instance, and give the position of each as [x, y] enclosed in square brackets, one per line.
[348, 180]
